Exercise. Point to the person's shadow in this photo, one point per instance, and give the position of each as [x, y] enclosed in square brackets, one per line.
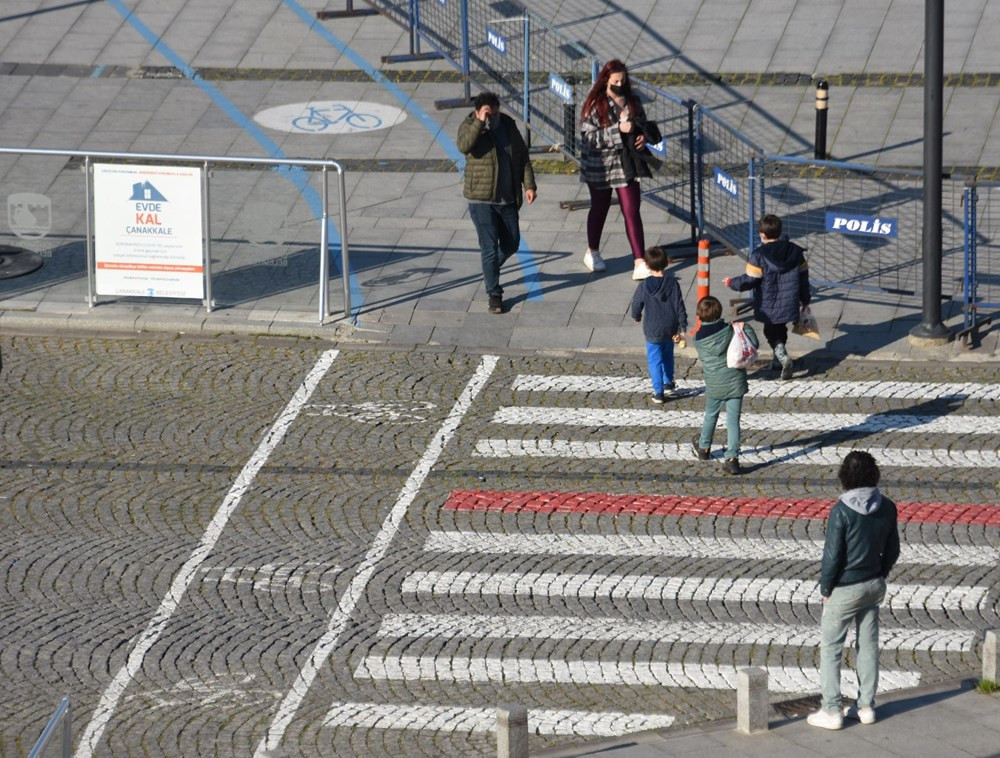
[876, 423]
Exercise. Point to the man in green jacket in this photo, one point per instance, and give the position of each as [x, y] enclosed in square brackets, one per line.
[496, 169]
[862, 546]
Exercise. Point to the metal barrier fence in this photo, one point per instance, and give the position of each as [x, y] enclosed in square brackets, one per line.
[863, 225]
[60, 718]
[981, 274]
[711, 174]
[729, 188]
[67, 209]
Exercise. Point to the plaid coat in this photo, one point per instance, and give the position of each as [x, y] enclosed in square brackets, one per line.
[601, 149]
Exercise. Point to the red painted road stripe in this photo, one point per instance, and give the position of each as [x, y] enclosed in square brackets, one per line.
[670, 505]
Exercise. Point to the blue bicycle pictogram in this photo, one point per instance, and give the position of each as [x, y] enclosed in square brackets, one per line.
[320, 119]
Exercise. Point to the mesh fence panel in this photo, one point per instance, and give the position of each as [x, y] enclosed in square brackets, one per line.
[987, 246]
[802, 194]
[671, 186]
[726, 191]
[440, 24]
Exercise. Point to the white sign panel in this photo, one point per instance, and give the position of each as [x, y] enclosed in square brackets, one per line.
[147, 231]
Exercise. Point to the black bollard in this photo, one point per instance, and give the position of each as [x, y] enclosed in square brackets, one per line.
[822, 100]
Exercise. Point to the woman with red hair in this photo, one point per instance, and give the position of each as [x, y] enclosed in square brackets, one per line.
[614, 153]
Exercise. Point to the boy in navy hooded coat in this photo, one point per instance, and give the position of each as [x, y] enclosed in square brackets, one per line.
[665, 320]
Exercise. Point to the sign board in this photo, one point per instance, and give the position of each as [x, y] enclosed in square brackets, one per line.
[868, 226]
[496, 40]
[148, 238]
[562, 88]
[726, 183]
[660, 148]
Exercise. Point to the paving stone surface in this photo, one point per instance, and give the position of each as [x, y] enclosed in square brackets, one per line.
[118, 455]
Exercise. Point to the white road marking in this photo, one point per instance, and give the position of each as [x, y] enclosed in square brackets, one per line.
[817, 454]
[664, 545]
[868, 423]
[465, 669]
[359, 584]
[270, 577]
[185, 575]
[484, 720]
[801, 388]
[899, 597]
[449, 626]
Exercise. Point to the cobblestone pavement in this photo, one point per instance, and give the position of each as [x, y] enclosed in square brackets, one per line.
[216, 547]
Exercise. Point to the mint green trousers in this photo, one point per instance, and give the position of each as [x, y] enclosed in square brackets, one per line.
[855, 605]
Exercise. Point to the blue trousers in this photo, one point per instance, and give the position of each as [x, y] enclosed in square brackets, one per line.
[713, 407]
[660, 357]
[499, 238]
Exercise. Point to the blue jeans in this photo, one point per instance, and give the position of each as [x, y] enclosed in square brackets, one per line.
[854, 604]
[499, 238]
[660, 357]
[713, 407]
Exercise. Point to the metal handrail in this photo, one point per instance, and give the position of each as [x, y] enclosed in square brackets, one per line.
[62, 713]
[206, 162]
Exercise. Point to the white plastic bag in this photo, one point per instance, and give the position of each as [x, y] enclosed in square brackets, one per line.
[741, 352]
[806, 324]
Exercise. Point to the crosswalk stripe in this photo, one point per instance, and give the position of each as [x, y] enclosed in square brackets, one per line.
[689, 588]
[484, 720]
[868, 423]
[449, 626]
[664, 545]
[800, 388]
[466, 669]
[817, 454]
[703, 506]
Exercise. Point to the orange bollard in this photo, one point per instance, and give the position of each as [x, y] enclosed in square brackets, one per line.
[702, 277]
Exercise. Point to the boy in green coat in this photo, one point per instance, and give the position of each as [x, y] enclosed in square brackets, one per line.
[724, 386]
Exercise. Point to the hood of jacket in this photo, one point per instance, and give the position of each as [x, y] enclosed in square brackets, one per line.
[863, 500]
[658, 285]
[783, 254]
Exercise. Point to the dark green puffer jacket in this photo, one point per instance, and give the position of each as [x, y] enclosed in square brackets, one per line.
[712, 343]
[481, 160]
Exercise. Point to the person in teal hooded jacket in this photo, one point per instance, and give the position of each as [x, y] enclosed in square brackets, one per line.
[861, 548]
[724, 386]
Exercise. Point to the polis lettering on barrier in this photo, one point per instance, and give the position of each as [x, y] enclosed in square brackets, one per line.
[726, 182]
[496, 40]
[561, 88]
[873, 226]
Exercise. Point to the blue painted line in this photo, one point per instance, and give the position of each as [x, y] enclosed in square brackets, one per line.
[97, 72]
[524, 255]
[295, 174]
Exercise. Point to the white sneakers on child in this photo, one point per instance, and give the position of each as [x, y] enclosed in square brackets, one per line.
[593, 261]
[641, 270]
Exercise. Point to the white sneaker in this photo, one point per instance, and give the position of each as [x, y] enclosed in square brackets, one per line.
[864, 715]
[641, 271]
[825, 720]
[593, 261]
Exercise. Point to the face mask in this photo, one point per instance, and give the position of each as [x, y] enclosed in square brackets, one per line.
[494, 121]
[616, 89]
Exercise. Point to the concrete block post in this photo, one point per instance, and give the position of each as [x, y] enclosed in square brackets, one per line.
[512, 731]
[991, 663]
[752, 703]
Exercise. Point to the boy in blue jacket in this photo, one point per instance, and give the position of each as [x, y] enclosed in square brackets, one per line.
[778, 274]
[666, 319]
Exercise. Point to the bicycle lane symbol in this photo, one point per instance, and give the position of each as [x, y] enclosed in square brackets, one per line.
[330, 117]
